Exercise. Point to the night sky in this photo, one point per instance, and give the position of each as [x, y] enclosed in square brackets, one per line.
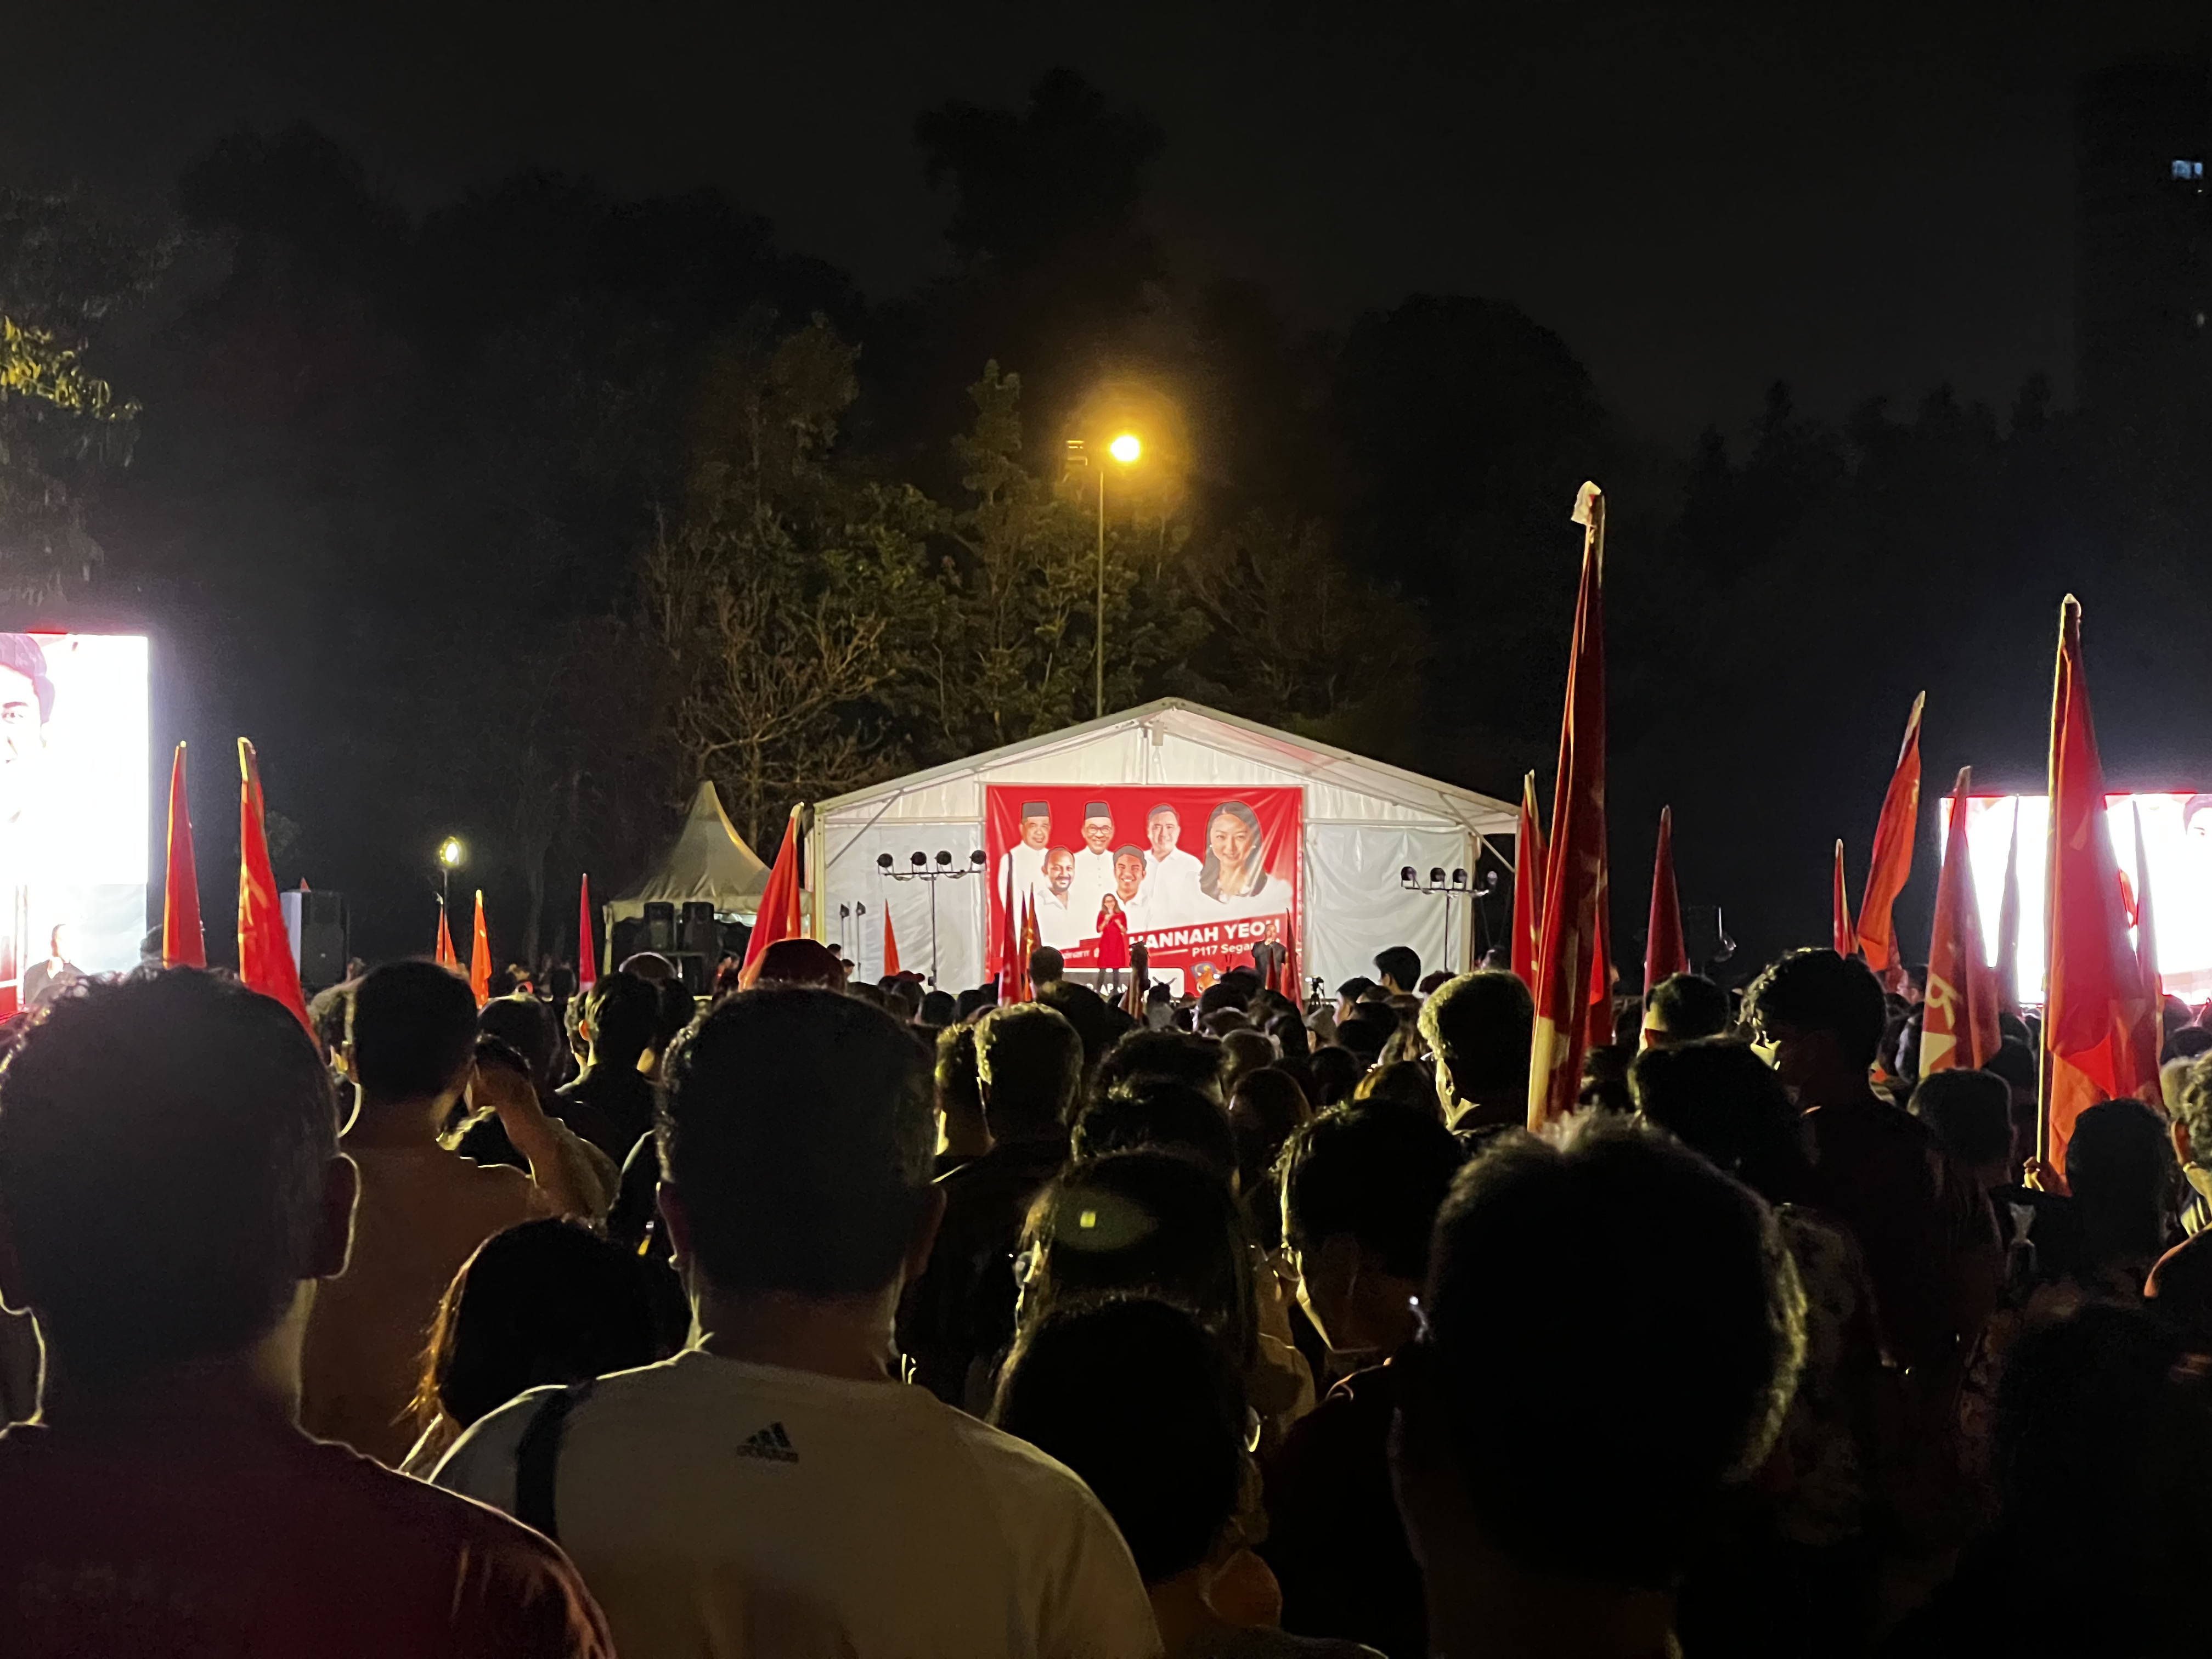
[1861, 200]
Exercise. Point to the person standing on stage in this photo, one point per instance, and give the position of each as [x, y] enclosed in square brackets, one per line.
[1113, 946]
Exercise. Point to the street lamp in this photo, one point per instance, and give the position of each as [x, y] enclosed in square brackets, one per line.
[449, 854]
[1124, 449]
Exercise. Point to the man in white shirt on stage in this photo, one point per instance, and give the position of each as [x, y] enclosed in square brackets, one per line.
[1024, 859]
[1058, 923]
[1094, 863]
[1172, 887]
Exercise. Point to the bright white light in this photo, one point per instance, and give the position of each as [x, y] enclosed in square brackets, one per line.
[2178, 844]
[1124, 448]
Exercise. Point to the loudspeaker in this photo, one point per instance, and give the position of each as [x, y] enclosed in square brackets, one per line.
[697, 930]
[660, 926]
[316, 924]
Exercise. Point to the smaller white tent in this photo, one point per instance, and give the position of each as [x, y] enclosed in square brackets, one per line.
[709, 860]
[1365, 821]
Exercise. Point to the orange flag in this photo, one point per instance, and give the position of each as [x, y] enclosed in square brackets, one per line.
[1664, 953]
[1959, 1015]
[780, 917]
[480, 957]
[266, 963]
[1029, 942]
[1893, 857]
[184, 942]
[2101, 1034]
[1573, 985]
[1846, 939]
[444, 954]
[1527, 882]
[587, 955]
[891, 944]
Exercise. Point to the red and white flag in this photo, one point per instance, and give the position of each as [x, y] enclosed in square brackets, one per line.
[1842, 934]
[1664, 953]
[266, 963]
[1528, 883]
[480, 956]
[779, 917]
[1959, 1015]
[1893, 857]
[587, 955]
[2100, 1027]
[1573, 985]
[184, 941]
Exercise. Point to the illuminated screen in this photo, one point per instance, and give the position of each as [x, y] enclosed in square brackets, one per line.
[73, 717]
[2178, 839]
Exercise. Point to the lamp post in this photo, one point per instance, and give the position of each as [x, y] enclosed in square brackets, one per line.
[1124, 449]
[449, 854]
[921, 871]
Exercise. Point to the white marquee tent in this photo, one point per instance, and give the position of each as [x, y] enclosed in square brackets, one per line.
[1364, 821]
[708, 860]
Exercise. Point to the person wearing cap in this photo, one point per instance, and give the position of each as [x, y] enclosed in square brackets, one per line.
[1094, 861]
[1171, 888]
[1021, 866]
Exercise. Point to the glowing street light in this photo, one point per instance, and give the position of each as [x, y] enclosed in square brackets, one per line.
[1124, 449]
[449, 854]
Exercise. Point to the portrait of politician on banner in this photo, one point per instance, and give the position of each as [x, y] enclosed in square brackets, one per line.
[1198, 877]
[73, 720]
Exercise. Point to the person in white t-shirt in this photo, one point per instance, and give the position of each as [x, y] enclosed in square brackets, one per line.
[1094, 859]
[1171, 889]
[1061, 923]
[774, 1490]
[1130, 887]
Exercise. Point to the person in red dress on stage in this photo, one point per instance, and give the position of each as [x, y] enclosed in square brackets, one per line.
[1112, 944]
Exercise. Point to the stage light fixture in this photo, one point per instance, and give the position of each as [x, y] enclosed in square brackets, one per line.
[883, 860]
[1406, 877]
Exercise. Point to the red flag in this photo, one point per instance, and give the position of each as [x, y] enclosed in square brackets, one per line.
[480, 957]
[1959, 1015]
[1014, 965]
[1892, 856]
[2007, 968]
[587, 955]
[266, 963]
[184, 942]
[779, 917]
[891, 944]
[2101, 1034]
[2146, 925]
[1845, 937]
[1574, 981]
[443, 952]
[1527, 882]
[1664, 953]
[1292, 988]
[1029, 941]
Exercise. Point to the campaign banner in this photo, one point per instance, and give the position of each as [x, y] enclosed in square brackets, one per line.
[73, 808]
[1200, 877]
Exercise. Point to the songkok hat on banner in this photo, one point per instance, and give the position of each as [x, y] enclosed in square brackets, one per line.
[1099, 809]
[1035, 809]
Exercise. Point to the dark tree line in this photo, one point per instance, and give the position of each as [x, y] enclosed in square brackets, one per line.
[513, 520]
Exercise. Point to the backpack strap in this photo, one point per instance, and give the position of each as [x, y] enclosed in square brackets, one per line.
[537, 1458]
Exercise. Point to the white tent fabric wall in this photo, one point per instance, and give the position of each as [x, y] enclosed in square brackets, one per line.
[1365, 821]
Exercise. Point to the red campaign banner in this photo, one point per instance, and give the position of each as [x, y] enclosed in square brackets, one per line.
[1200, 876]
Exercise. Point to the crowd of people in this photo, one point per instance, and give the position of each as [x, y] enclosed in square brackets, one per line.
[817, 1318]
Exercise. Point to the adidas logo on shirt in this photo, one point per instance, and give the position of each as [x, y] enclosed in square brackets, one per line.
[771, 1443]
